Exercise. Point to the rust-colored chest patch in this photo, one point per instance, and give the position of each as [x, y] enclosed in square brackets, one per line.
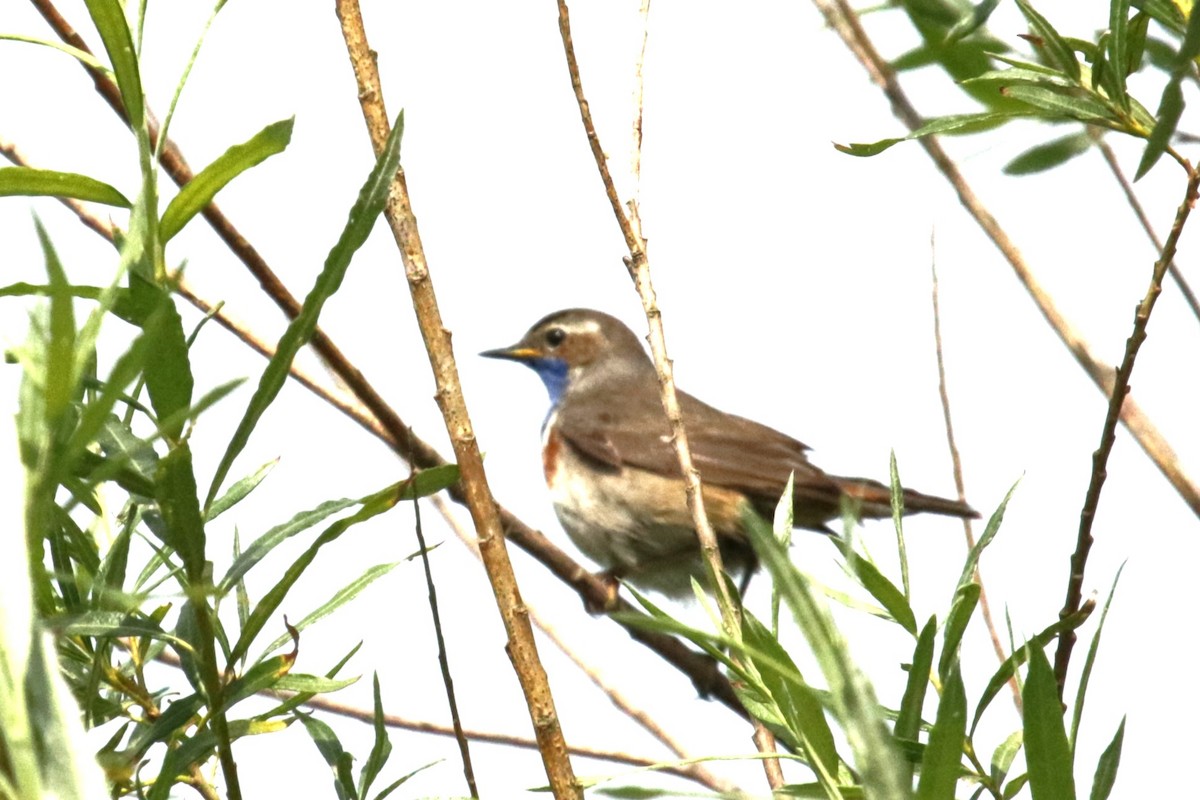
[551, 452]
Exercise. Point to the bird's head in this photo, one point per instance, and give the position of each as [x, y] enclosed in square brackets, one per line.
[576, 346]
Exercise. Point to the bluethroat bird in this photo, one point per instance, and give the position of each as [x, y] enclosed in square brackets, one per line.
[613, 473]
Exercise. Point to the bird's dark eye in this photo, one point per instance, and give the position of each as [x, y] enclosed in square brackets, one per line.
[555, 337]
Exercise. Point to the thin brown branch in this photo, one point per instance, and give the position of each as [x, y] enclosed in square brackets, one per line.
[522, 649]
[959, 484]
[697, 771]
[464, 749]
[638, 265]
[385, 423]
[845, 22]
[1110, 158]
[1108, 434]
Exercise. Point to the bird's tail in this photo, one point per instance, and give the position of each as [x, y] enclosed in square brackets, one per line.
[876, 500]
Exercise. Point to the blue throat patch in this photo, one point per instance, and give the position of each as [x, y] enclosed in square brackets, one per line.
[553, 372]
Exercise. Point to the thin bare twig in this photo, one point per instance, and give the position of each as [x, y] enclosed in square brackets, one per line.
[845, 22]
[697, 771]
[389, 427]
[522, 649]
[638, 265]
[1108, 434]
[464, 749]
[959, 484]
[1110, 158]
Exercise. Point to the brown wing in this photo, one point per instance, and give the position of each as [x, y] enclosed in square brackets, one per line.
[730, 451]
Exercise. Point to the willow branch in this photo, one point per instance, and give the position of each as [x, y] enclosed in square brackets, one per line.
[845, 22]
[521, 648]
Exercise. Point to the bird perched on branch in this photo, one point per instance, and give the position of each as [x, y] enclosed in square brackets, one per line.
[614, 476]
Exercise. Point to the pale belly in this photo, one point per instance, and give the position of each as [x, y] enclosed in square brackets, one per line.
[634, 523]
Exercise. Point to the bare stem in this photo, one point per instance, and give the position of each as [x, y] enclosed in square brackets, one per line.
[521, 648]
[1108, 433]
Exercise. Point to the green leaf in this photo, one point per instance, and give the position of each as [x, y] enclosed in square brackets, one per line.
[1047, 751]
[240, 490]
[1170, 107]
[957, 124]
[966, 599]
[908, 723]
[1010, 665]
[176, 494]
[372, 505]
[880, 764]
[967, 576]
[330, 748]
[973, 21]
[1048, 155]
[1003, 755]
[380, 750]
[371, 200]
[1086, 675]
[32, 182]
[1065, 104]
[1106, 768]
[942, 762]
[168, 369]
[427, 482]
[340, 598]
[1118, 48]
[61, 370]
[312, 684]
[264, 544]
[802, 712]
[109, 19]
[197, 193]
[115, 623]
[878, 585]
[1057, 51]
[897, 491]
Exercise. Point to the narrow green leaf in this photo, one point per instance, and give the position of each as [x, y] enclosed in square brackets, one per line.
[312, 684]
[1170, 107]
[1014, 661]
[908, 723]
[330, 748]
[975, 19]
[340, 598]
[61, 368]
[264, 544]
[427, 482]
[84, 57]
[1026, 77]
[262, 676]
[1048, 155]
[897, 490]
[957, 124]
[240, 490]
[942, 762]
[168, 369]
[1064, 104]
[1106, 768]
[877, 759]
[176, 494]
[1047, 751]
[802, 711]
[1135, 47]
[1086, 675]
[109, 19]
[1003, 755]
[197, 193]
[380, 750]
[1057, 51]
[371, 200]
[990, 530]
[372, 505]
[115, 623]
[32, 182]
[1118, 48]
[966, 599]
[878, 586]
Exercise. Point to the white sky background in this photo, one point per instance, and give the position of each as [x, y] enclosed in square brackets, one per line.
[795, 284]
